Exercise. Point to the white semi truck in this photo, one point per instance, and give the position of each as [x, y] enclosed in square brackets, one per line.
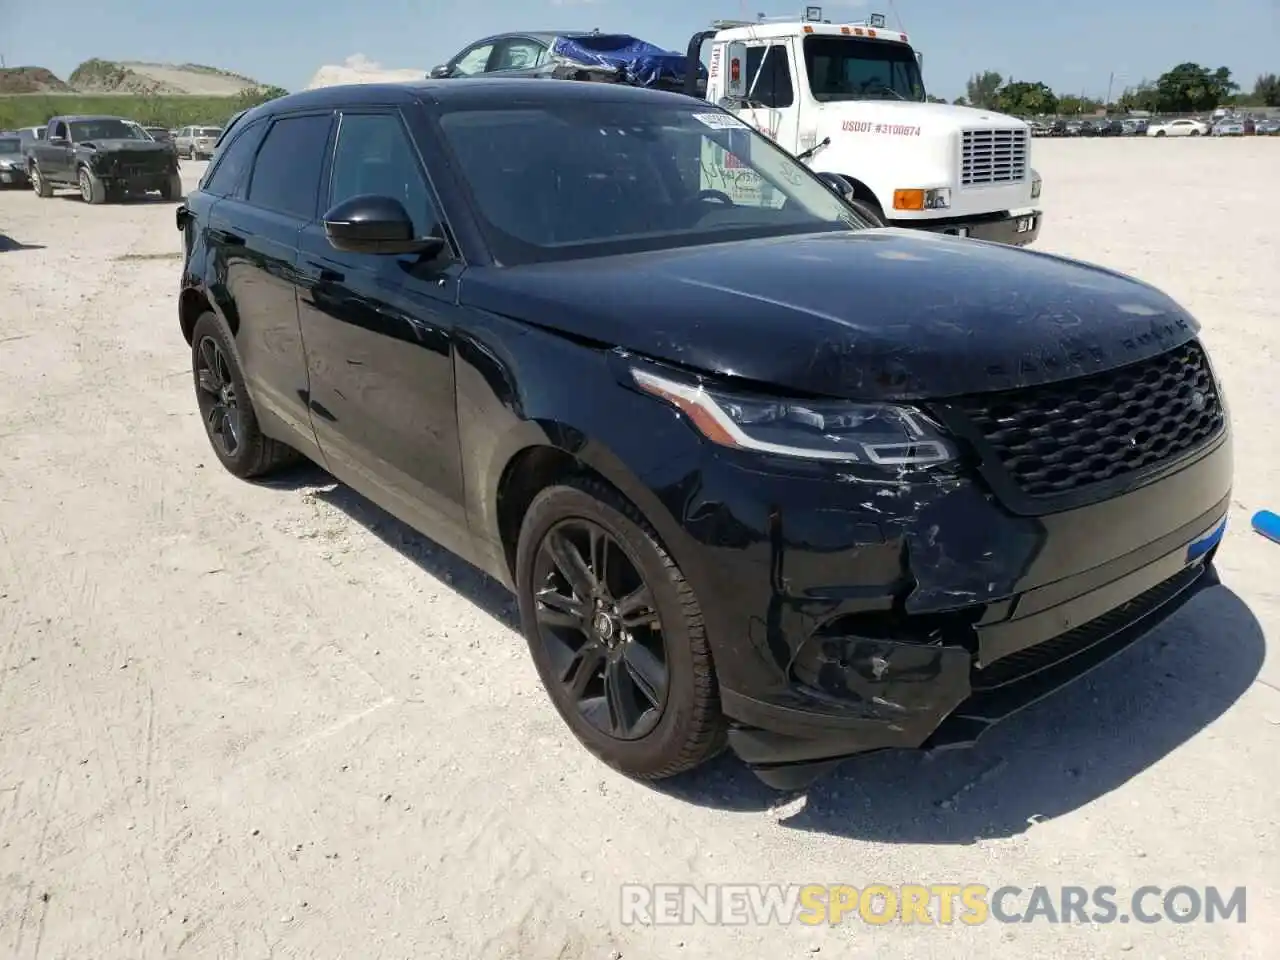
[849, 99]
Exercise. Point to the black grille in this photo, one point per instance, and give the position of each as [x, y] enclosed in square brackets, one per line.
[1023, 663]
[1061, 437]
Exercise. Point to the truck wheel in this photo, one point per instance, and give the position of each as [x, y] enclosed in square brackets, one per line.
[38, 183]
[172, 190]
[870, 212]
[92, 190]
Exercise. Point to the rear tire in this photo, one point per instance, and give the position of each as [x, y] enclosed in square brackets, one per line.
[1195, 133]
[225, 407]
[1159, 134]
[688, 727]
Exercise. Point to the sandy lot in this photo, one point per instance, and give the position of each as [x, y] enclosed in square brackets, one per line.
[268, 721]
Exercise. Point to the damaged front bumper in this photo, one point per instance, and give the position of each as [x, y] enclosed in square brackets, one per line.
[919, 615]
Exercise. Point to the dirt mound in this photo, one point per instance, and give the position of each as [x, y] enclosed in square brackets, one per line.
[30, 80]
[108, 76]
[360, 69]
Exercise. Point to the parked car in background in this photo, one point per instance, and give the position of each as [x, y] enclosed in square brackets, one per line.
[106, 158]
[1178, 128]
[1135, 127]
[1268, 128]
[1229, 127]
[159, 134]
[1059, 128]
[30, 135]
[1109, 128]
[757, 473]
[13, 168]
[197, 143]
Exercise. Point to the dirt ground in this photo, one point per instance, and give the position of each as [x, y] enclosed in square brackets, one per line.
[243, 721]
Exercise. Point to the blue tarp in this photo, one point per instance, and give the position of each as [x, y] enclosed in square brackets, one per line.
[641, 63]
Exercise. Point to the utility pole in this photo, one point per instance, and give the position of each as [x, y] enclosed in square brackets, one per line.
[1110, 82]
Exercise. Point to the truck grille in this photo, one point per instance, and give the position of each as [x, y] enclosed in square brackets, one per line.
[1060, 437]
[993, 156]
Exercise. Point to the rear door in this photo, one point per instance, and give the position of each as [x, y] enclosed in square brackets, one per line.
[255, 230]
[378, 335]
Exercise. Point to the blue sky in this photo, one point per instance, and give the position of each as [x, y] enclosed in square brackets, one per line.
[1073, 46]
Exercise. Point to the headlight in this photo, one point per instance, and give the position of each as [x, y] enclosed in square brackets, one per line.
[1036, 183]
[872, 433]
[7, 165]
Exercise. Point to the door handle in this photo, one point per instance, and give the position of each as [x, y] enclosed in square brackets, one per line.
[324, 274]
[225, 236]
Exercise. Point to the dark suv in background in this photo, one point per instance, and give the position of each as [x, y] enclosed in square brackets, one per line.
[757, 473]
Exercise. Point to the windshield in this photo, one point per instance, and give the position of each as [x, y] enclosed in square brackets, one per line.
[10, 145]
[852, 68]
[83, 130]
[573, 179]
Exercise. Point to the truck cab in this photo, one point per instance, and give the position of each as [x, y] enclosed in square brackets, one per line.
[849, 99]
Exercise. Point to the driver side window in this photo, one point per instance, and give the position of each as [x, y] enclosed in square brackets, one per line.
[773, 87]
[518, 54]
[59, 130]
[473, 62]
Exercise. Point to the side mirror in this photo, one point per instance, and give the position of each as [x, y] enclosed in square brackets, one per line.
[736, 78]
[838, 184]
[377, 225]
[440, 73]
[59, 142]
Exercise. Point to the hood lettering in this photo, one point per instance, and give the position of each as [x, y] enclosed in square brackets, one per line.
[884, 129]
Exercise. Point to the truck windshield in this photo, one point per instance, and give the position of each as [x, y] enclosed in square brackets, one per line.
[575, 179]
[852, 68]
[107, 129]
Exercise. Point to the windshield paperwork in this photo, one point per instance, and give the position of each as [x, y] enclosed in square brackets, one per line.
[852, 68]
[108, 129]
[579, 179]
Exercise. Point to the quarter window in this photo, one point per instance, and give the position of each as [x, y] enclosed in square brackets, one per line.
[286, 176]
[232, 170]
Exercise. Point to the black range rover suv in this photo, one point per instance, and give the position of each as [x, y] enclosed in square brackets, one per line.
[759, 475]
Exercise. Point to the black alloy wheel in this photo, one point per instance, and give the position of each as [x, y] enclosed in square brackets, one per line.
[218, 398]
[600, 627]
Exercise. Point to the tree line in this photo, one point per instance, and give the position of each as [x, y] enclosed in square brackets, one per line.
[1187, 88]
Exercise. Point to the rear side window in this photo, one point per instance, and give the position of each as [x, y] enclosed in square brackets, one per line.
[232, 168]
[286, 176]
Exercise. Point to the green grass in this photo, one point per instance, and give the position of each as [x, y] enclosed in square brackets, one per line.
[35, 109]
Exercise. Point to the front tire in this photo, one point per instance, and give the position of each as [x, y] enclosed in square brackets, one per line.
[616, 633]
[39, 184]
[869, 211]
[92, 190]
[229, 419]
[172, 189]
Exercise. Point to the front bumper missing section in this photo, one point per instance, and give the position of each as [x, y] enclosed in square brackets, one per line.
[789, 747]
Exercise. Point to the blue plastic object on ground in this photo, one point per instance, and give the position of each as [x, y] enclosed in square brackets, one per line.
[1268, 524]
